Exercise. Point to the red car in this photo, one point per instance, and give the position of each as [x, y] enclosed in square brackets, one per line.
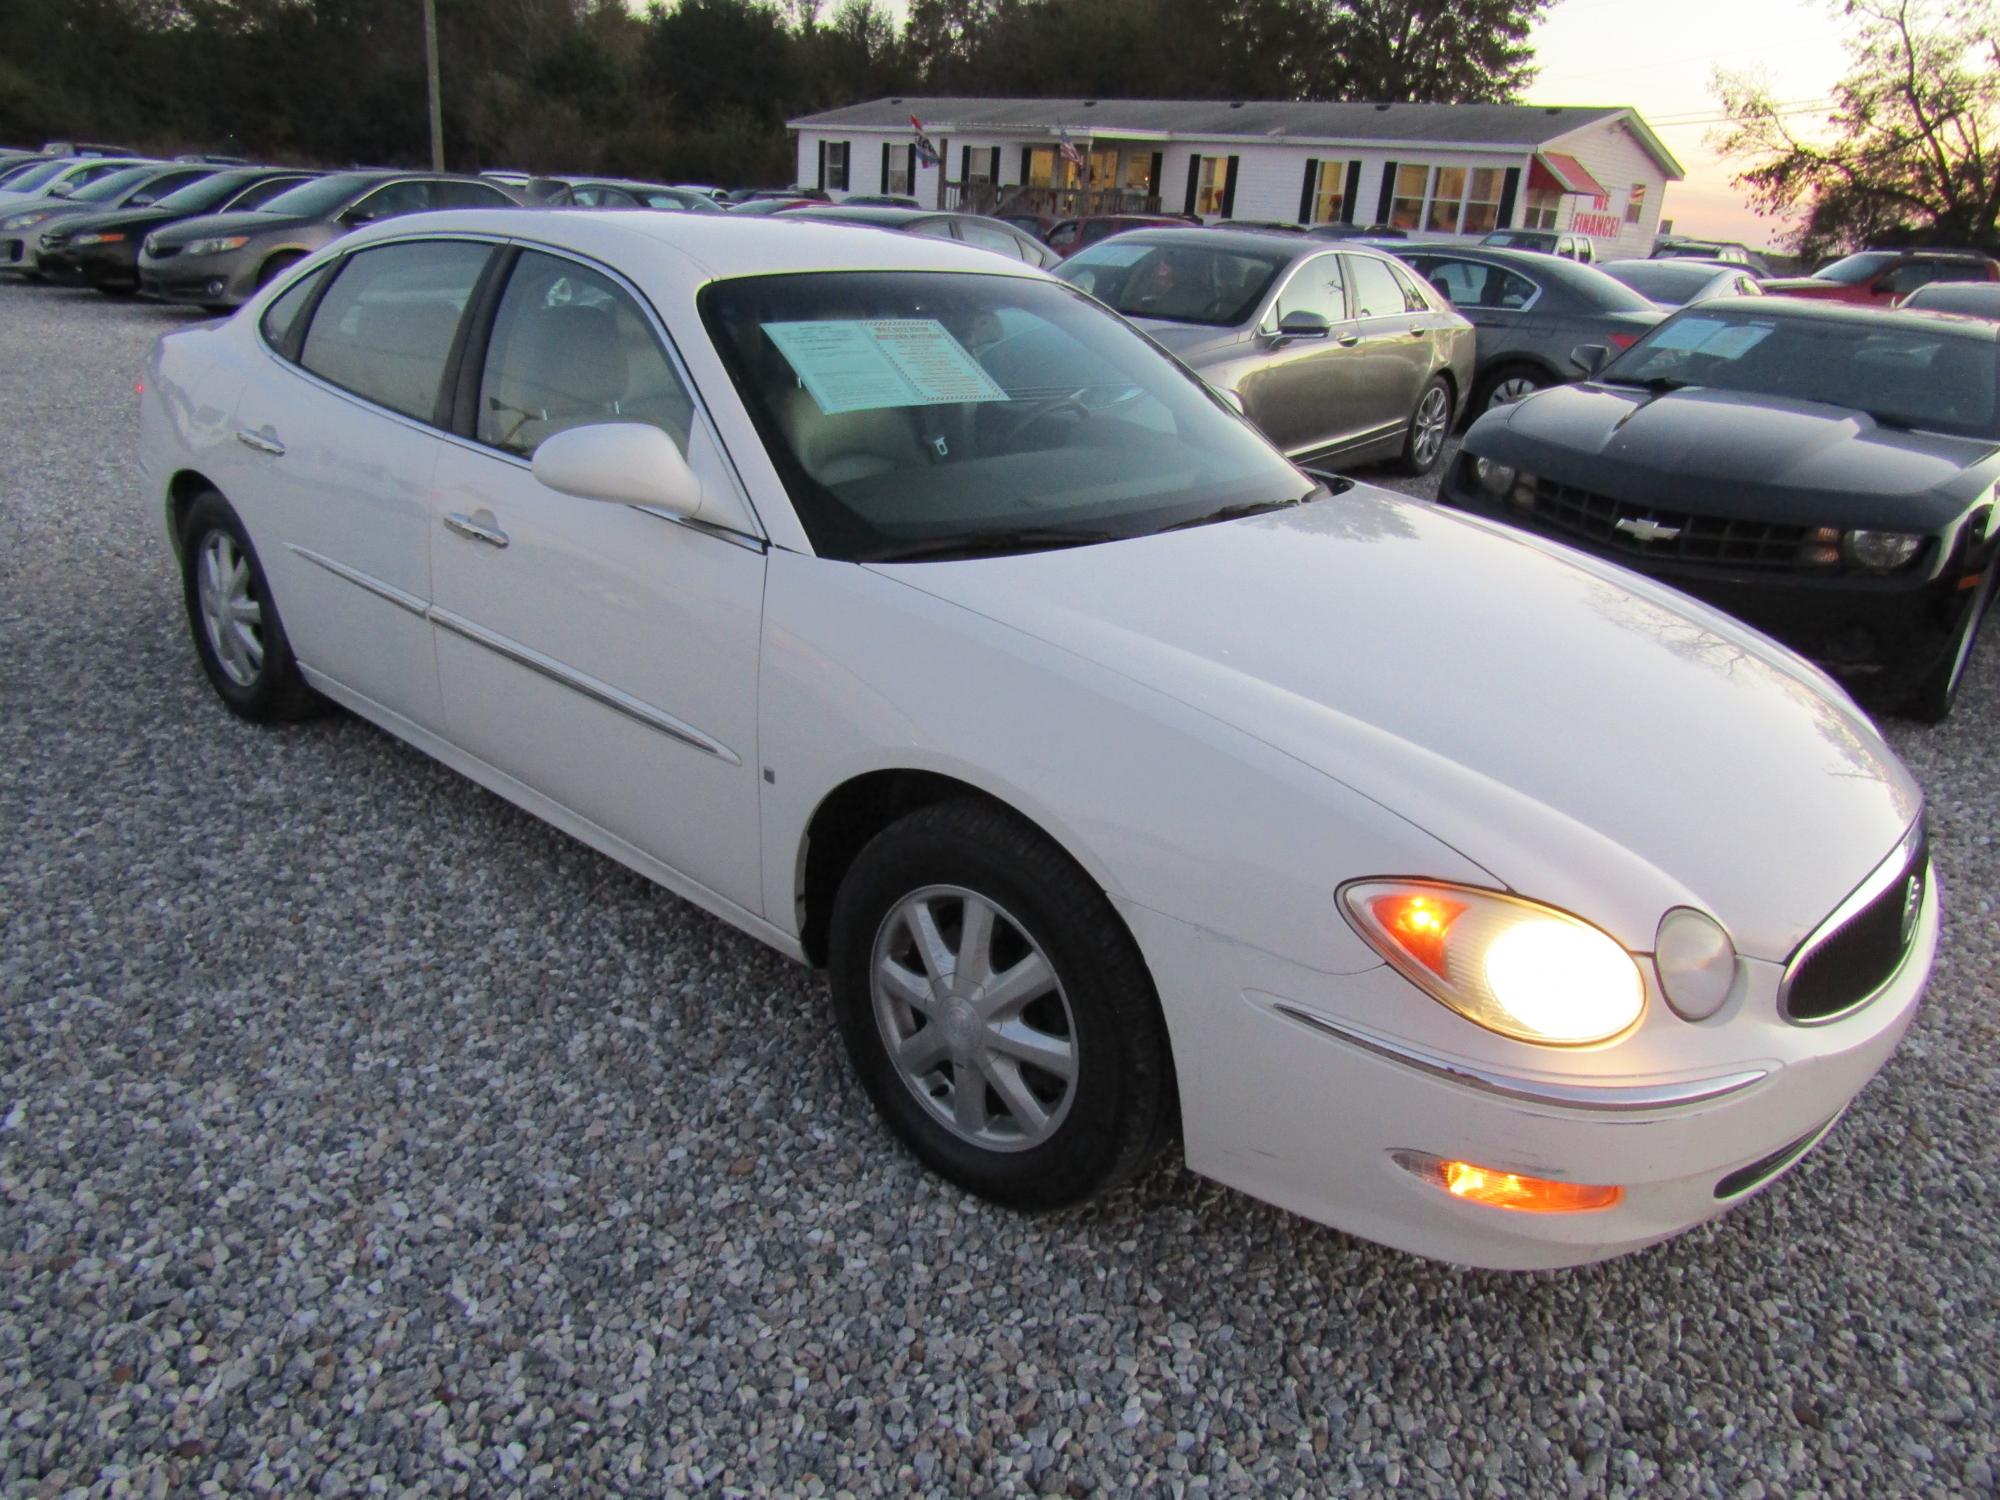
[1071, 235]
[1880, 277]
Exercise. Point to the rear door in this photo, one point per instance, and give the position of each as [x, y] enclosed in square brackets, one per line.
[1495, 299]
[1394, 352]
[602, 655]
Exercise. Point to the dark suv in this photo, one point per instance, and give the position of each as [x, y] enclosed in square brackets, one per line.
[1882, 277]
[220, 260]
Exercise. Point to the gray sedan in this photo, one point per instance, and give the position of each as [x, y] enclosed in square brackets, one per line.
[220, 260]
[1531, 310]
[1338, 354]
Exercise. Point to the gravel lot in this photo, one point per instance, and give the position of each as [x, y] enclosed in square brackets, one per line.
[360, 1134]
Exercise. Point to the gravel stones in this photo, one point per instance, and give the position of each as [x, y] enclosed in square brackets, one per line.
[360, 1135]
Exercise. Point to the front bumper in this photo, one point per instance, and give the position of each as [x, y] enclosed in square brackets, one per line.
[93, 265]
[1875, 633]
[1289, 1093]
[17, 251]
[208, 281]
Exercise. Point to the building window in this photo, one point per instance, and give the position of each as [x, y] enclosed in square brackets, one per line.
[1046, 168]
[982, 164]
[1412, 185]
[836, 166]
[1447, 195]
[1543, 206]
[1330, 193]
[896, 177]
[1104, 167]
[1139, 172]
[1213, 180]
[1635, 206]
[1483, 186]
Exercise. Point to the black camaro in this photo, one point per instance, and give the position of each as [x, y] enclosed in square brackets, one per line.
[1829, 473]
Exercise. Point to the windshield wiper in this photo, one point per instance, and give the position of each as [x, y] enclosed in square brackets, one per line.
[986, 543]
[1247, 508]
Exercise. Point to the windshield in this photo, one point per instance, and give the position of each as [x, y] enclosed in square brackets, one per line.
[35, 176]
[1942, 380]
[205, 193]
[312, 200]
[1856, 268]
[918, 413]
[672, 199]
[108, 187]
[1176, 283]
[1528, 241]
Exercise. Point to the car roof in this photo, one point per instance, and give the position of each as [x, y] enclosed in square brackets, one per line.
[1249, 241]
[1828, 310]
[873, 213]
[689, 250]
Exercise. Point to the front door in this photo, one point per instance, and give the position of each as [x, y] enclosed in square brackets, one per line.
[1304, 393]
[602, 655]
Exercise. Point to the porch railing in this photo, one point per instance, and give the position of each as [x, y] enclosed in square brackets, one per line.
[1061, 203]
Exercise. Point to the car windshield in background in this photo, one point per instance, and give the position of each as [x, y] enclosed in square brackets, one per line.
[205, 193]
[32, 179]
[1663, 280]
[1855, 269]
[309, 200]
[1504, 241]
[1943, 382]
[110, 186]
[1179, 283]
[929, 415]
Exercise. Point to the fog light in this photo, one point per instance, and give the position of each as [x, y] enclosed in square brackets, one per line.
[215, 286]
[1493, 1188]
[1697, 963]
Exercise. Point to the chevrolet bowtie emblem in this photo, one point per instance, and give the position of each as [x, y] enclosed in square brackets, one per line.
[1644, 529]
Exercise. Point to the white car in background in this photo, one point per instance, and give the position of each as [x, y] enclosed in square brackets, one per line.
[910, 611]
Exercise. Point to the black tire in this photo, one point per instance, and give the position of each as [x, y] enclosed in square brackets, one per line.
[264, 687]
[1930, 701]
[1499, 375]
[276, 266]
[1118, 1108]
[1413, 460]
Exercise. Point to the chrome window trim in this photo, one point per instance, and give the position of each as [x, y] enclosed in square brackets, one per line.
[1873, 886]
[1609, 1098]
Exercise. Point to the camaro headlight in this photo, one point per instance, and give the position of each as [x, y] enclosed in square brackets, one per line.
[1513, 966]
[24, 221]
[221, 245]
[1495, 479]
[108, 238]
[1882, 551]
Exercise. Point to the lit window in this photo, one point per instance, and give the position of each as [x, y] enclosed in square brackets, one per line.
[1482, 200]
[1406, 211]
[1330, 193]
[836, 166]
[1635, 206]
[1447, 196]
[1214, 178]
[1543, 206]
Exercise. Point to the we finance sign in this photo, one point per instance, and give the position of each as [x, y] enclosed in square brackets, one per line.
[1598, 221]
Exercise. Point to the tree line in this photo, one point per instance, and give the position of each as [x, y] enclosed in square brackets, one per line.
[697, 90]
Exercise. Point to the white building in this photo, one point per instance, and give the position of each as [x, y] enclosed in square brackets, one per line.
[1435, 169]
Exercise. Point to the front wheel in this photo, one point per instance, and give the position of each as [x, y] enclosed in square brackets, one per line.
[1930, 701]
[237, 633]
[996, 1009]
[1429, 424]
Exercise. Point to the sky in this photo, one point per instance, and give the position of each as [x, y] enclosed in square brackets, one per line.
[1659, 58]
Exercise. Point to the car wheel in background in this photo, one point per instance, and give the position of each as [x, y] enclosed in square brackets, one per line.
[276, 266]
[237, 633]
[1430, 424]
[1506, 384]
[1931, 700]
[996, 1009]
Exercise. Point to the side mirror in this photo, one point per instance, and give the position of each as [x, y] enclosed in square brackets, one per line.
[626, 463]
[355, 217]
[62, 190]
[1590, 358]
[1303, 325]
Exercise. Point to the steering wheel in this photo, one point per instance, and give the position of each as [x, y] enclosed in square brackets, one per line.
[1034, 413]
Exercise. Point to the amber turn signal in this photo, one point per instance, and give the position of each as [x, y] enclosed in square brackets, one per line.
[1515, 1190]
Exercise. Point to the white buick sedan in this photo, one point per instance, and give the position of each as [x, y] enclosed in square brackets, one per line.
[907, 609]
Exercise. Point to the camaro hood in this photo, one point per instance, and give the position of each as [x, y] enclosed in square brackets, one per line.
[1589, 738]
[1729, 454]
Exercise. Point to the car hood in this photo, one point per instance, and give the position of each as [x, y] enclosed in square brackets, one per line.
[1810, 286]
[1193, 343]
[210, 226]
[1590, 739]
[1725, 453]
[130, 220]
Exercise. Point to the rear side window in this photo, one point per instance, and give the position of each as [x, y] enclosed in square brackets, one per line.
[259, 193]
[384, 328]
[1414, 299]
[395, 199]
[1376, 294]
[571, 347]
[1472, 284]
[467, 195]
[993, 237]
[280, 320]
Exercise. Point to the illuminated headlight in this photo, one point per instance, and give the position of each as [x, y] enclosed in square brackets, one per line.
[1697, 963]
[1882, 551]
[108, 238]
[1495, 479]
[221, 245]
[1516, 967]
[24, 221]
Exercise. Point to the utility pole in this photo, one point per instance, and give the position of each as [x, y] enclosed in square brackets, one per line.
[437, 103]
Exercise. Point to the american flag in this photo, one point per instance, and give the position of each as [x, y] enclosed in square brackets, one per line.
[1067, 148]
[926, 152]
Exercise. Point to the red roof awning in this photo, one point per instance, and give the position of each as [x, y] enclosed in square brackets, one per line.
[1563, 174]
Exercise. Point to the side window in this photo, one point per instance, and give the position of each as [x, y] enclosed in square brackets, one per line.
[258, 193]
[384, 328]
[1316, 287]
[1958, 270]
[388, 202]
[1907, 278]
[1414, 298]
[1064, 236]
[1376, 294]
[279, 318]
[992, 237]
[162, 185]
[570, 347]
[937, 229]
[464, 195]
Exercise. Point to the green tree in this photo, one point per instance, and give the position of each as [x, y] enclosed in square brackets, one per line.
[1426, 51]
[1911, 145]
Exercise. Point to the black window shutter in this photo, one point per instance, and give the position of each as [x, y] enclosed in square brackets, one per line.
[911, 176]
[1027, 155]
[1229, 188]
[1508, 190]
[1388, 196]
[1153, 177]
[1309, 190]
[885, 167]
[1194, 181]
[1347, 199]
[964, 165]
[820, 181]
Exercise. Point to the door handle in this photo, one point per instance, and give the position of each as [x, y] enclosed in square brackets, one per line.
[260, 442]
[466, 526]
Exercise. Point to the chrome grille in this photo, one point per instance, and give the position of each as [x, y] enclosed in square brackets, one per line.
[1861, 947]
[1646, 531]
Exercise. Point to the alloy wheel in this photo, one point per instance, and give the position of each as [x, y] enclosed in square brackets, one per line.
[1433, 415]
[230, 613]
[974, 1018]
